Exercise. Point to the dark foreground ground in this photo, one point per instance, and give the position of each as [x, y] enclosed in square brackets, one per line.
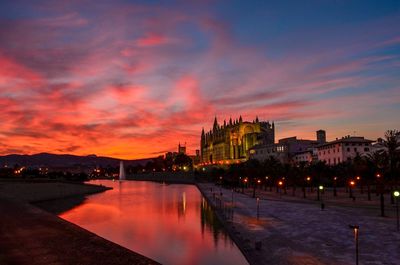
[29, 235]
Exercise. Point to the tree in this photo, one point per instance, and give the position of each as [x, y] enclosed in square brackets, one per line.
[392, 144]
[181, 160]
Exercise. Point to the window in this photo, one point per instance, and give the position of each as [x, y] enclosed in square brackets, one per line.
[355, 149]
[338, 160]
[366, 149]
[348, 149]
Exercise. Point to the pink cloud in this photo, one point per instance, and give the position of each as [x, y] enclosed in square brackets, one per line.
[151, 39]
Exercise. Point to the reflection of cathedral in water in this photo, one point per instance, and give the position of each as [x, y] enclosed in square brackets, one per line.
[210, 222]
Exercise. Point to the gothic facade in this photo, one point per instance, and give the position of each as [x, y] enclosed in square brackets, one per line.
[230, 141]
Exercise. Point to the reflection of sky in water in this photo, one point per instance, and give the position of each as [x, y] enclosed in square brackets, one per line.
[171, 224]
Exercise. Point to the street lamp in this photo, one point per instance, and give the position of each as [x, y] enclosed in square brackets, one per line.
[321, 188]
[355, 228]
[258, 208]
[396, 195]
[334, 186]
[352, 183]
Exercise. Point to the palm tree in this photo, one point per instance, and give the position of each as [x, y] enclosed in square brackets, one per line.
[393, 145]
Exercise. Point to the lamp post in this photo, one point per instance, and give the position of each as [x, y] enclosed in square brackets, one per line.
[309, 181]
[351, 185]
[232, 200]
[258, 208]
[334, 186]
[321, 188]
[355, 228]
[244, 182]
[381, 191]
[396, 194]
[280, 184]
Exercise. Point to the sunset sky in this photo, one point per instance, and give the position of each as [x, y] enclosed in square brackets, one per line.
[130, 79]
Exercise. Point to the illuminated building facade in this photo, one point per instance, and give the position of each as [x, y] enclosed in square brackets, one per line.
[231, 141]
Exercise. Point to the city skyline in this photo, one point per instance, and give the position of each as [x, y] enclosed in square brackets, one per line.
[131, 79]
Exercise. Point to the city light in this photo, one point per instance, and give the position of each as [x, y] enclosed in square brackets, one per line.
[308, 178]
[321, 187]
[280, 183]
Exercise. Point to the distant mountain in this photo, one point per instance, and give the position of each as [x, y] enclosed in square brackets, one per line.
[65, 160]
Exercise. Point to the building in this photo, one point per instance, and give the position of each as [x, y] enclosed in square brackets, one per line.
[231, 141]
[343, 149]
[182, 149]
[285, 150]
[304, 157]
[289, 149]
[321, 136]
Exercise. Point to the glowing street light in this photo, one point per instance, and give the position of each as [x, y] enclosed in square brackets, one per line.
[351, 185]
[321, 188]
[356, 229]
[396, 195]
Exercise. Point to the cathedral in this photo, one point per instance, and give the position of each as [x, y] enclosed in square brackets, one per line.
[230, 141]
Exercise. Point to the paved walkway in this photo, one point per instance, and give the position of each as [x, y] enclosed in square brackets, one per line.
[298, 232]
[32, 236]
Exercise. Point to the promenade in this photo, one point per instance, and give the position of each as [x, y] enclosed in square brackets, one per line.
[29, 235]
[293, 230]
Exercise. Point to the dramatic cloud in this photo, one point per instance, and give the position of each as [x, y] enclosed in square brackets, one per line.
[130, 80]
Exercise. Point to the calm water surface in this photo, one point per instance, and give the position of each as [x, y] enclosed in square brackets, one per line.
[171, 224]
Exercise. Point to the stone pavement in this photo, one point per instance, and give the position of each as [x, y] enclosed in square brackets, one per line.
[298, 232]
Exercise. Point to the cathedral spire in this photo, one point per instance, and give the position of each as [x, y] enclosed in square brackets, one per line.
[240, 119]
[230, 121]
[257, 119]
[215, 123]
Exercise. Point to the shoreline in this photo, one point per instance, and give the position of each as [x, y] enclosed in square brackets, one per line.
[228, 228]
[48, 238]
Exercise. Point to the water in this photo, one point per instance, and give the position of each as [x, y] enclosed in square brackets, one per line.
[171, 224]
